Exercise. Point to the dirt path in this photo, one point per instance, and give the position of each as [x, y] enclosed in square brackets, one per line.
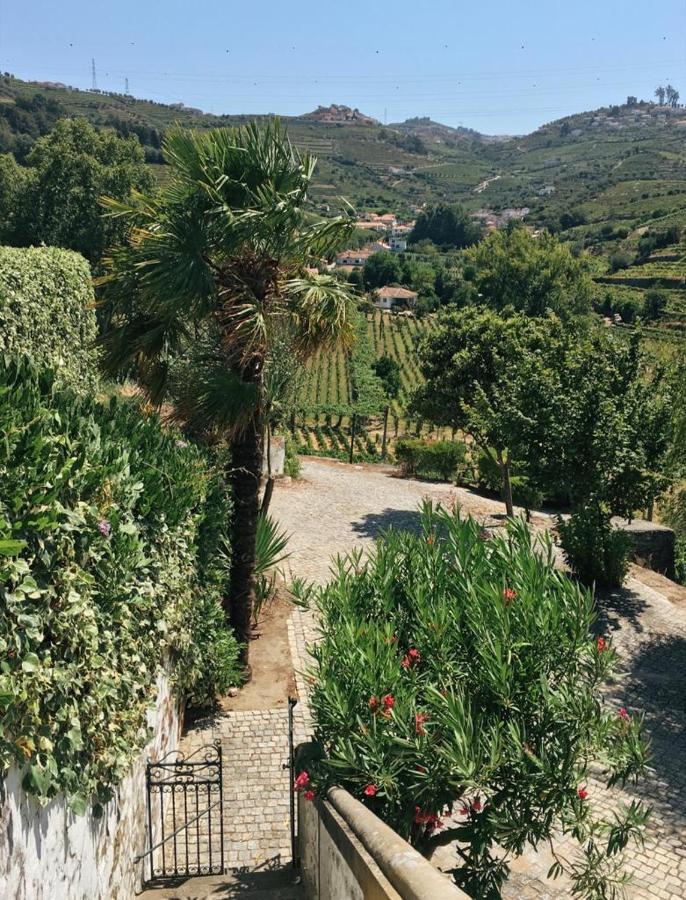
[336, 507]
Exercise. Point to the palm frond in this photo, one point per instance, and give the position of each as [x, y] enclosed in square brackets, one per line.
[322, 309]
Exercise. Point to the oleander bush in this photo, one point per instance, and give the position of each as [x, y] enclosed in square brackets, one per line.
[457, 682]
[108, 530]
[46, 311]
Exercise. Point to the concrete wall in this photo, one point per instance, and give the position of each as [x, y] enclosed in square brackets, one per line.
[48, 853]
[347, 853]
[652, 545]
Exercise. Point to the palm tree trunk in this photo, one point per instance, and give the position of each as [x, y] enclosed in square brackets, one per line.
[246, 469]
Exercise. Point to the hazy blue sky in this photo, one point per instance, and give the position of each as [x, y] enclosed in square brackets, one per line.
[500, 66]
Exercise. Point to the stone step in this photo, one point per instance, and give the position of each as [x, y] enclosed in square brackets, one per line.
[279, 884]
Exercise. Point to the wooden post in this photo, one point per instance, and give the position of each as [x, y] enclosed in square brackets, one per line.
[385, 432]
[352, 436]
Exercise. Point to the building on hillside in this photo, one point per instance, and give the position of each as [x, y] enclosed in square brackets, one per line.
[397, 242]
[393, 297]
[378, 247]
[353, 257]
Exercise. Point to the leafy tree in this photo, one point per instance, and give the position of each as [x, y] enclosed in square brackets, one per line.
[534, 275]
[58, 199]
[12, 198]
[660, 93]
[672, 96]
[381, 269]
[447, 225]
[216, 266]
[458, 676]
[387, 370]
[476, 364]
[654, 303]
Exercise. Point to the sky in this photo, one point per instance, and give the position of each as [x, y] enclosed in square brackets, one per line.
[499, 66]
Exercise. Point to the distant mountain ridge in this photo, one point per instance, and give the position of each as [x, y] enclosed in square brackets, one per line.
[436, 132]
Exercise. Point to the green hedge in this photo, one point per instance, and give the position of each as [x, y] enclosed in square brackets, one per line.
[46, 311]
[421, 457]
[110, 528]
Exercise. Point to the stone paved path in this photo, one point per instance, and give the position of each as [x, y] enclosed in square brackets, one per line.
[335, 507]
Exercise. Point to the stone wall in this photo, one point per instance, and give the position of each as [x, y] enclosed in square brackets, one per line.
[347, 853]
[652, 545]
[48, 853]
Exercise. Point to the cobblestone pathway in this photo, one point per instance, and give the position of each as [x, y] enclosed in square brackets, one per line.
[335, 507]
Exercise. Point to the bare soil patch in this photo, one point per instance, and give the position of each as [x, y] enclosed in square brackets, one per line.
[270, 657]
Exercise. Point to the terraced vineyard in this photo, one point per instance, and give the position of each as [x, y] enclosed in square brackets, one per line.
[324, 426]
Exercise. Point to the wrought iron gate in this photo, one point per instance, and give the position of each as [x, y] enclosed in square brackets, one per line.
[186, 812]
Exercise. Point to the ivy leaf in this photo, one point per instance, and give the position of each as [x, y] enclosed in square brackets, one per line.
[11, 548]
[30, 663]
[78, 804]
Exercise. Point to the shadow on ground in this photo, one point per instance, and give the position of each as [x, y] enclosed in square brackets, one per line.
[373, 524]
[270, 880]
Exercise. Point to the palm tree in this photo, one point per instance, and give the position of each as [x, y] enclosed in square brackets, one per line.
[214, 273]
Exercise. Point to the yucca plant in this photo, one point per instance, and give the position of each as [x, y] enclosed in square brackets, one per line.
[270, 552]
[457, 677]
[216, 269]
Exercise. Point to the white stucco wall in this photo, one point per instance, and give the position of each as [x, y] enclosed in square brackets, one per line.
[48, 853]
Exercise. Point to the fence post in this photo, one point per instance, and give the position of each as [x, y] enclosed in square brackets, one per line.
[352, 436]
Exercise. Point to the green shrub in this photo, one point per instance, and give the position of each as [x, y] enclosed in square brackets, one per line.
[419, 456]
[105, 518]
[595, 551]
[459, 675]
[291, 463]
[46, 311]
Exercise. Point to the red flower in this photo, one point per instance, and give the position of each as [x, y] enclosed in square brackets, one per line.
[370, 790]
[412, 657]
[302, 780]
[582, 793]
[373, 704]
[476, 805]
[600, 644]
[388, 701]
[509, 595]
[309, 795]
[623, 714]
[424, 817]
[419, 720]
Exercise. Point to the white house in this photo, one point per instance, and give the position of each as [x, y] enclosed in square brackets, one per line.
[394, 297]
[353, 257]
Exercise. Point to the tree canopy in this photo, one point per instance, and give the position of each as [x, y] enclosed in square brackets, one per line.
[533, 275]
[447, 225]
[55, 200]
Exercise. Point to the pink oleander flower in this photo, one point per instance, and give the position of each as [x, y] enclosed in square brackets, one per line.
[309, 795]
[388, 702]
[301, 781]
[509, 595]
[581, 793]
[624, 715]
[601, 644]
[104, 528]
[419, 721]
[370, 790]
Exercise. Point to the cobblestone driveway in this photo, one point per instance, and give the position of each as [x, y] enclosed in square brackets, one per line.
[335, 507]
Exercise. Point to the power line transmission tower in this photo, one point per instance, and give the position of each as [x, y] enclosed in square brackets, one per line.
[94, 80]
[126, 85]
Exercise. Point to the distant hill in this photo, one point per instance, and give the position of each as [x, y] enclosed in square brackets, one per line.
[436, 132]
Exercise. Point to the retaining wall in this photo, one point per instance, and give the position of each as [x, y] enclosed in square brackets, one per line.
[347, 853]
[48, 853]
